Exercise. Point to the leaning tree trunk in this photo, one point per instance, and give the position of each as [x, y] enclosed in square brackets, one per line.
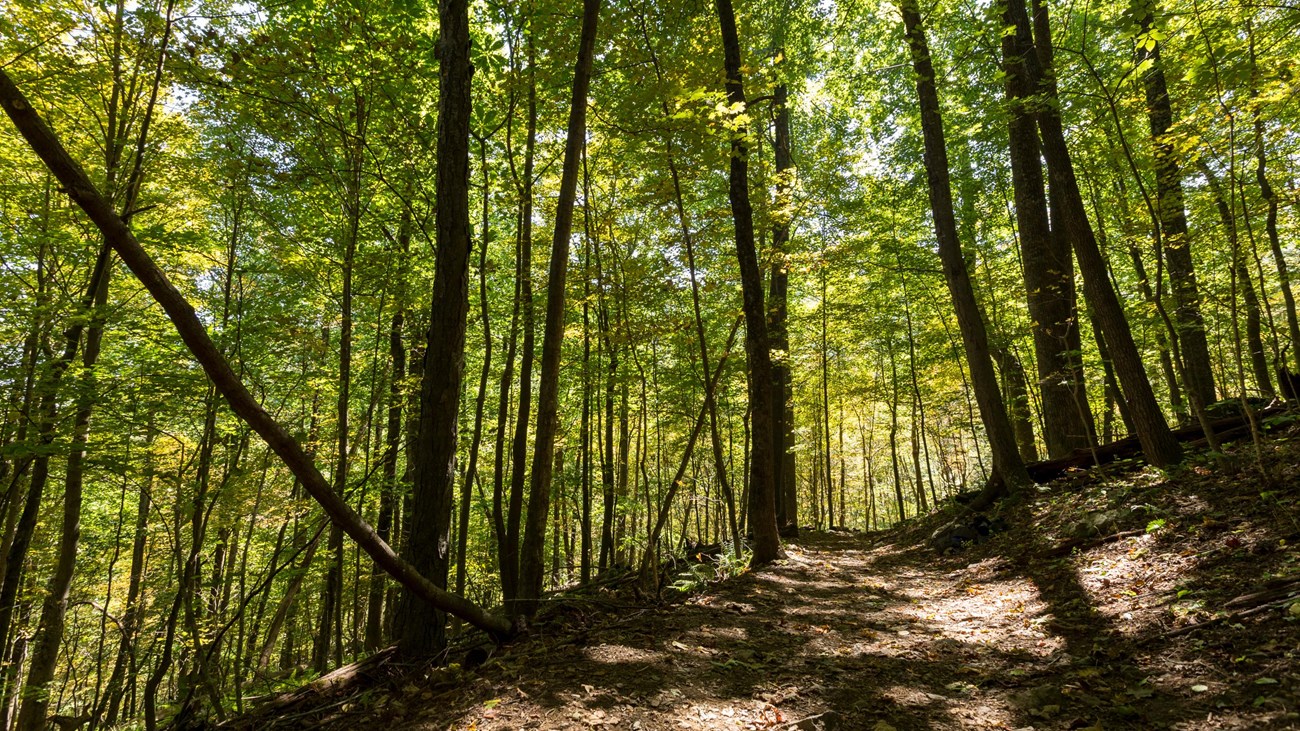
[191, 330]
[1008, 468]
[1172, 214]
[1159, 445]
[762, 486]
[531, 558]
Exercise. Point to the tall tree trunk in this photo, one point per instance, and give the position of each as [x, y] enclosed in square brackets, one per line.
[530, 554]
[422, 627]
[500, 500]
[1008, 468]
[332, 597]
[829, 472]
[1158, 443]
[762, 486]
[893, 433]
[1047, 264]
[611, 386]
[607, 464]
[480, 401]
[787, 491]
[519, 449]
[584, 430]
[1176, 245]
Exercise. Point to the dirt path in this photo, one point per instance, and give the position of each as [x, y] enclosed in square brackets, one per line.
[847, 635]
[852, 632]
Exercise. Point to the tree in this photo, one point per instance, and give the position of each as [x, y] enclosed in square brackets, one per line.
[1008, 469]
[762, 484]
[531, 556]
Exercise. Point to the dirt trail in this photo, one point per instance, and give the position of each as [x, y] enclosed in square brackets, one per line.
[848, 635]
[862, 632]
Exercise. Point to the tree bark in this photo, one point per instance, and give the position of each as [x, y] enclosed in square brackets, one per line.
[1048, 265]
[1008, 468]
[531, 550]
[1158, 442]
[422, 625]
[787, 490]
[1175, 243]
[762, 492]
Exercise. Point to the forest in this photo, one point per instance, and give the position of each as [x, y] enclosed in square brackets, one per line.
[327, 327]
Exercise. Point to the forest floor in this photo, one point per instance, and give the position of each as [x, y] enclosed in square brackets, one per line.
[1078, 616]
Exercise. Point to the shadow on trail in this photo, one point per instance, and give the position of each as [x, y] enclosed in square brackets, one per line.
[807, 636]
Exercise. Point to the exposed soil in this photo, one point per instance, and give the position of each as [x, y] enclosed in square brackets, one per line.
[857, 631]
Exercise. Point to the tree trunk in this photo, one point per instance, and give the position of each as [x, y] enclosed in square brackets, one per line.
[470, 473]
[421, 626]
[510, 586]
[584, 430]
[787, 491]
[1176, 244]
[607, 464]
[530, 554]
[1158, 443]
[332, 597]
[762, 494]
[1048, 266]
[1008, 468]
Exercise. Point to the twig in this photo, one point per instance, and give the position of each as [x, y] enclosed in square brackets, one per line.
[1223, 618]
[1066, 547]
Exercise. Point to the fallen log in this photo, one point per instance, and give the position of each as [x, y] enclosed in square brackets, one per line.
[1231, 427]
